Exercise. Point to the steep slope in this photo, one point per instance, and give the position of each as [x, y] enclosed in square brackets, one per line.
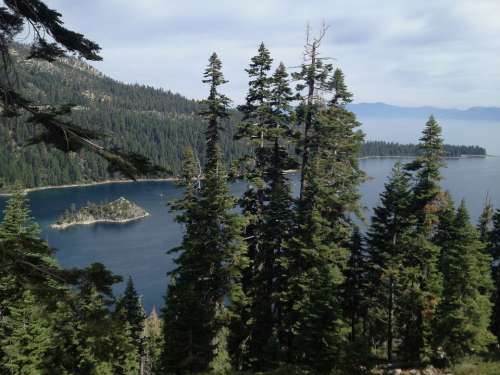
[154, 122]
[151, 121]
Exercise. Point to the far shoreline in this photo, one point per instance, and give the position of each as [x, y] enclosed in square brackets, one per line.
[88, 184]
[123, 181]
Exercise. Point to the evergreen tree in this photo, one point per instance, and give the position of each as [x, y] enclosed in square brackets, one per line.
[250, 340]
[153, 343]
[319, 247]
[313, 78]
[29, 339]
[493, 249]
[485, 223]
[465, 310]
[387, 242]
[355, 288]
[129, 308]
[107, 346]
[267, 206]
[17, 221]
[338, 86]
[208, 269]
[427, 190]
[51, 40]
[421, 264]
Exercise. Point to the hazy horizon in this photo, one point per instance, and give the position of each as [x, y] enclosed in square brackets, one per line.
[413, 54]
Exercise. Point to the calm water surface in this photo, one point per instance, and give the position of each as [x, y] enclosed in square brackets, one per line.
[139, 248]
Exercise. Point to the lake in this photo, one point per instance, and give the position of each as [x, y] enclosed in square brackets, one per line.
[139, 248]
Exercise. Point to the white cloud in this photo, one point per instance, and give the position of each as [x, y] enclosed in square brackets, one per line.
[439, 52]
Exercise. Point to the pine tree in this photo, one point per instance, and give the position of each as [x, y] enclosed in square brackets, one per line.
[342, 94]
[485, 223]
[129, 309]
[319, 247]
[106, 343]
[51, 40]
[208, 269]
[17, 221]
[428, 176]
[465, 310]
[355, 287]
[25, 260]
[493, 249]
[29, 339]
[249, 340]
[153, 343]
[313, 77]
[267, 206]
[421, 265]
[387, 240]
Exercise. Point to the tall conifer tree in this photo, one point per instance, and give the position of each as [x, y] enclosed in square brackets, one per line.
[387, 240]
[130, 309]
[319, 250]
[465, 310]
[355, 288]
[485, 224]
[266, 126]
[208, 269]
[493, 249]
[421, 265]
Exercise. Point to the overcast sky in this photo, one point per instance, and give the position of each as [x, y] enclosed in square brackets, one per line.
[405, 52]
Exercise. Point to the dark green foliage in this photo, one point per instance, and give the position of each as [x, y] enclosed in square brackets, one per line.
[381, 148]
[129, 308]
[141, 119]
[51, 40]
[426, 168]
[341, 96]
[355, 289]
[493, 249]
[485, 223]
[465, 310]
[319, 248]
[422, 275]
[46, 326]
[208, 268]
[156, 123]
[267, 203]
[387, 246]
[286, 286]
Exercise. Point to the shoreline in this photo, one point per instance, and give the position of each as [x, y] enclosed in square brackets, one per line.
[123, 181]
[87, 184]
[414, 156]
[90, 222]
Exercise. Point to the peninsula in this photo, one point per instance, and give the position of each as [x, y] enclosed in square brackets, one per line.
[118, 211]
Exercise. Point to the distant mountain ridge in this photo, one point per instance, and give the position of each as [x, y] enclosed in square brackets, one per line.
[383, 110]
[151, 121]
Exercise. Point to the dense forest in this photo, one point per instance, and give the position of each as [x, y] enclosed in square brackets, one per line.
[268, 282]
[155, 122]
[381, 148]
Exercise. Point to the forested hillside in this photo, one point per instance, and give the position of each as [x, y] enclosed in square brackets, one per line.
[381, 148]
[154, 122]
[270, 282]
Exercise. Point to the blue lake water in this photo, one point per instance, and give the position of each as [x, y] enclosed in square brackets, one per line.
[139, 248]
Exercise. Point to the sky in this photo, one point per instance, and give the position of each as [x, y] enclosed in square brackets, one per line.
[444, 53]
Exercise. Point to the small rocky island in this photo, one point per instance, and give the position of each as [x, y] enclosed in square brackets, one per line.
[118, 211]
